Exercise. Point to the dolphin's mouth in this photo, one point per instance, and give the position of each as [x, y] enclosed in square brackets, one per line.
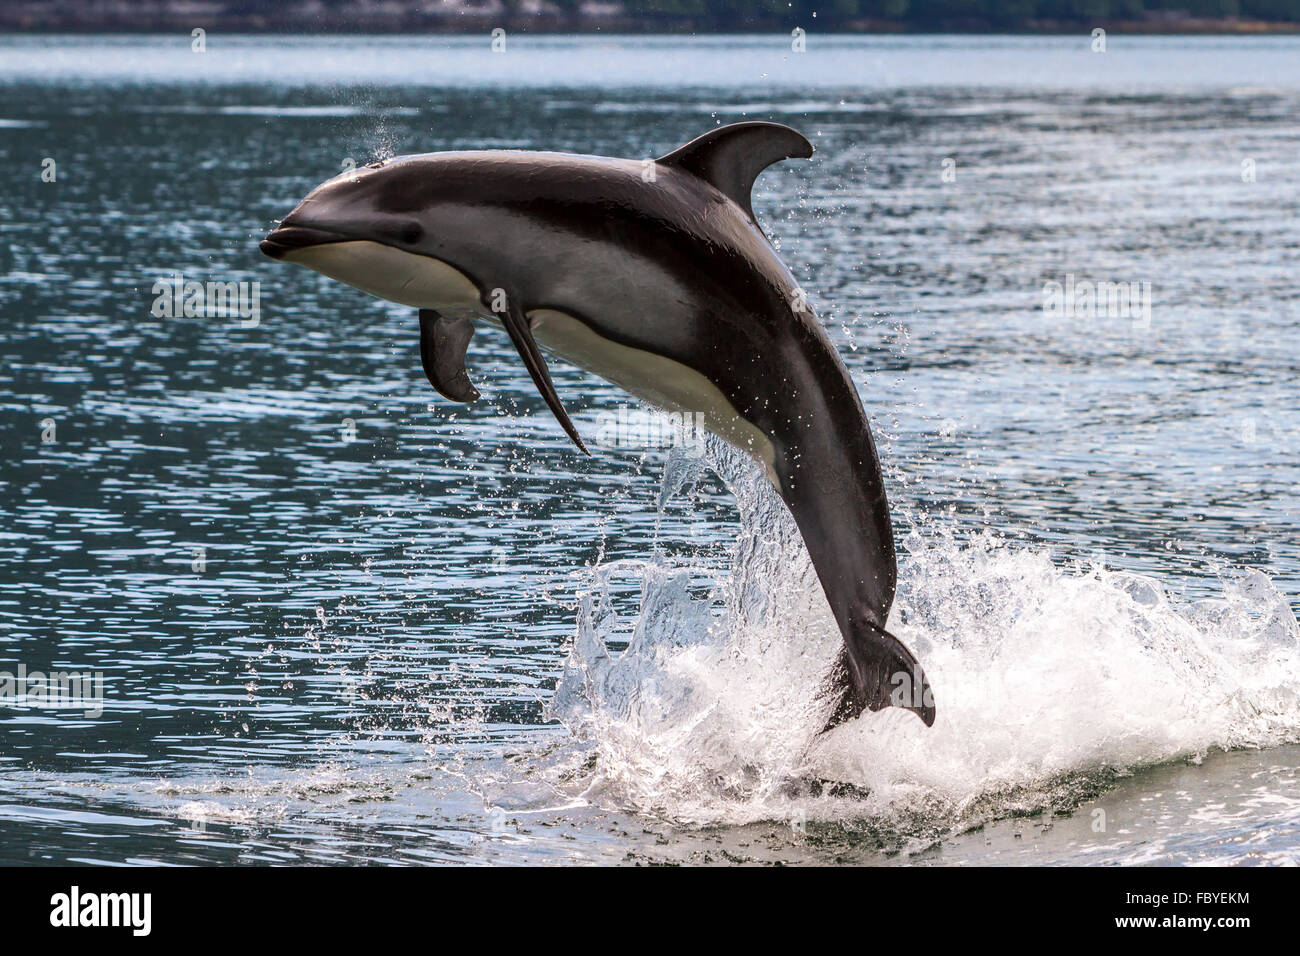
[286, 239]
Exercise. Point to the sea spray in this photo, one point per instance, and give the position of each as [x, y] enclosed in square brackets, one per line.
[1049, 680]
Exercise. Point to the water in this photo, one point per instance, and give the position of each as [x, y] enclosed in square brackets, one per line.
[410, 646]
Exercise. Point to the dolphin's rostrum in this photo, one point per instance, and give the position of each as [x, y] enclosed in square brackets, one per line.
[657, 277]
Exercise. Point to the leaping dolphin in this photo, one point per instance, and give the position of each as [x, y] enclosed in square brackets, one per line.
[657, 277]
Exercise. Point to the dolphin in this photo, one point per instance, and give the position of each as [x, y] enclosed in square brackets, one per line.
[656, 276]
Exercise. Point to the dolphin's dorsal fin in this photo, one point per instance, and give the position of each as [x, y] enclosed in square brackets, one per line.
[731, 157]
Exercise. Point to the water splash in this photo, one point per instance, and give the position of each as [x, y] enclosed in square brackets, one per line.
[1050, 680]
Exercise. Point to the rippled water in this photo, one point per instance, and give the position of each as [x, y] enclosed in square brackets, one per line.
[403, 638]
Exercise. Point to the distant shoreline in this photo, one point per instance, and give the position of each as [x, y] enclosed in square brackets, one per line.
[23, 19]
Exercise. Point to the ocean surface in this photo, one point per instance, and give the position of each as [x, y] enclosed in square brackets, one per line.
[336, 619]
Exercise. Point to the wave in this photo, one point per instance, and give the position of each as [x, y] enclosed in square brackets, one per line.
[701, 704]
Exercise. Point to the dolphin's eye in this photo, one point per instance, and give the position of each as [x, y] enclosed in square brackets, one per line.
[411, 233]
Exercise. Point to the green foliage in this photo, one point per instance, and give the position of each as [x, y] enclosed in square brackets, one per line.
[1287, 10]
[923, 14]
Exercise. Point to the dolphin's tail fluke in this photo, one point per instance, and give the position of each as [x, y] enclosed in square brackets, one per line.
[874, 671]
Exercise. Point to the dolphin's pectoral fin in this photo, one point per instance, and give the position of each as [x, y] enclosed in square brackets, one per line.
[516, 324]
[442, 352]
[875, 671]
[731, 157]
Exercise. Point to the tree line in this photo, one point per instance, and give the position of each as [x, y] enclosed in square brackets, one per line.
[930, 14]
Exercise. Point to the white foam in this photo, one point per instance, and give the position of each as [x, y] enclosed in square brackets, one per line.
[1047, 679]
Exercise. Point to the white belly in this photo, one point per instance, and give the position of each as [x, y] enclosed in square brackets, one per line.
[668, 384]
[425, 283]
[395, 275]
